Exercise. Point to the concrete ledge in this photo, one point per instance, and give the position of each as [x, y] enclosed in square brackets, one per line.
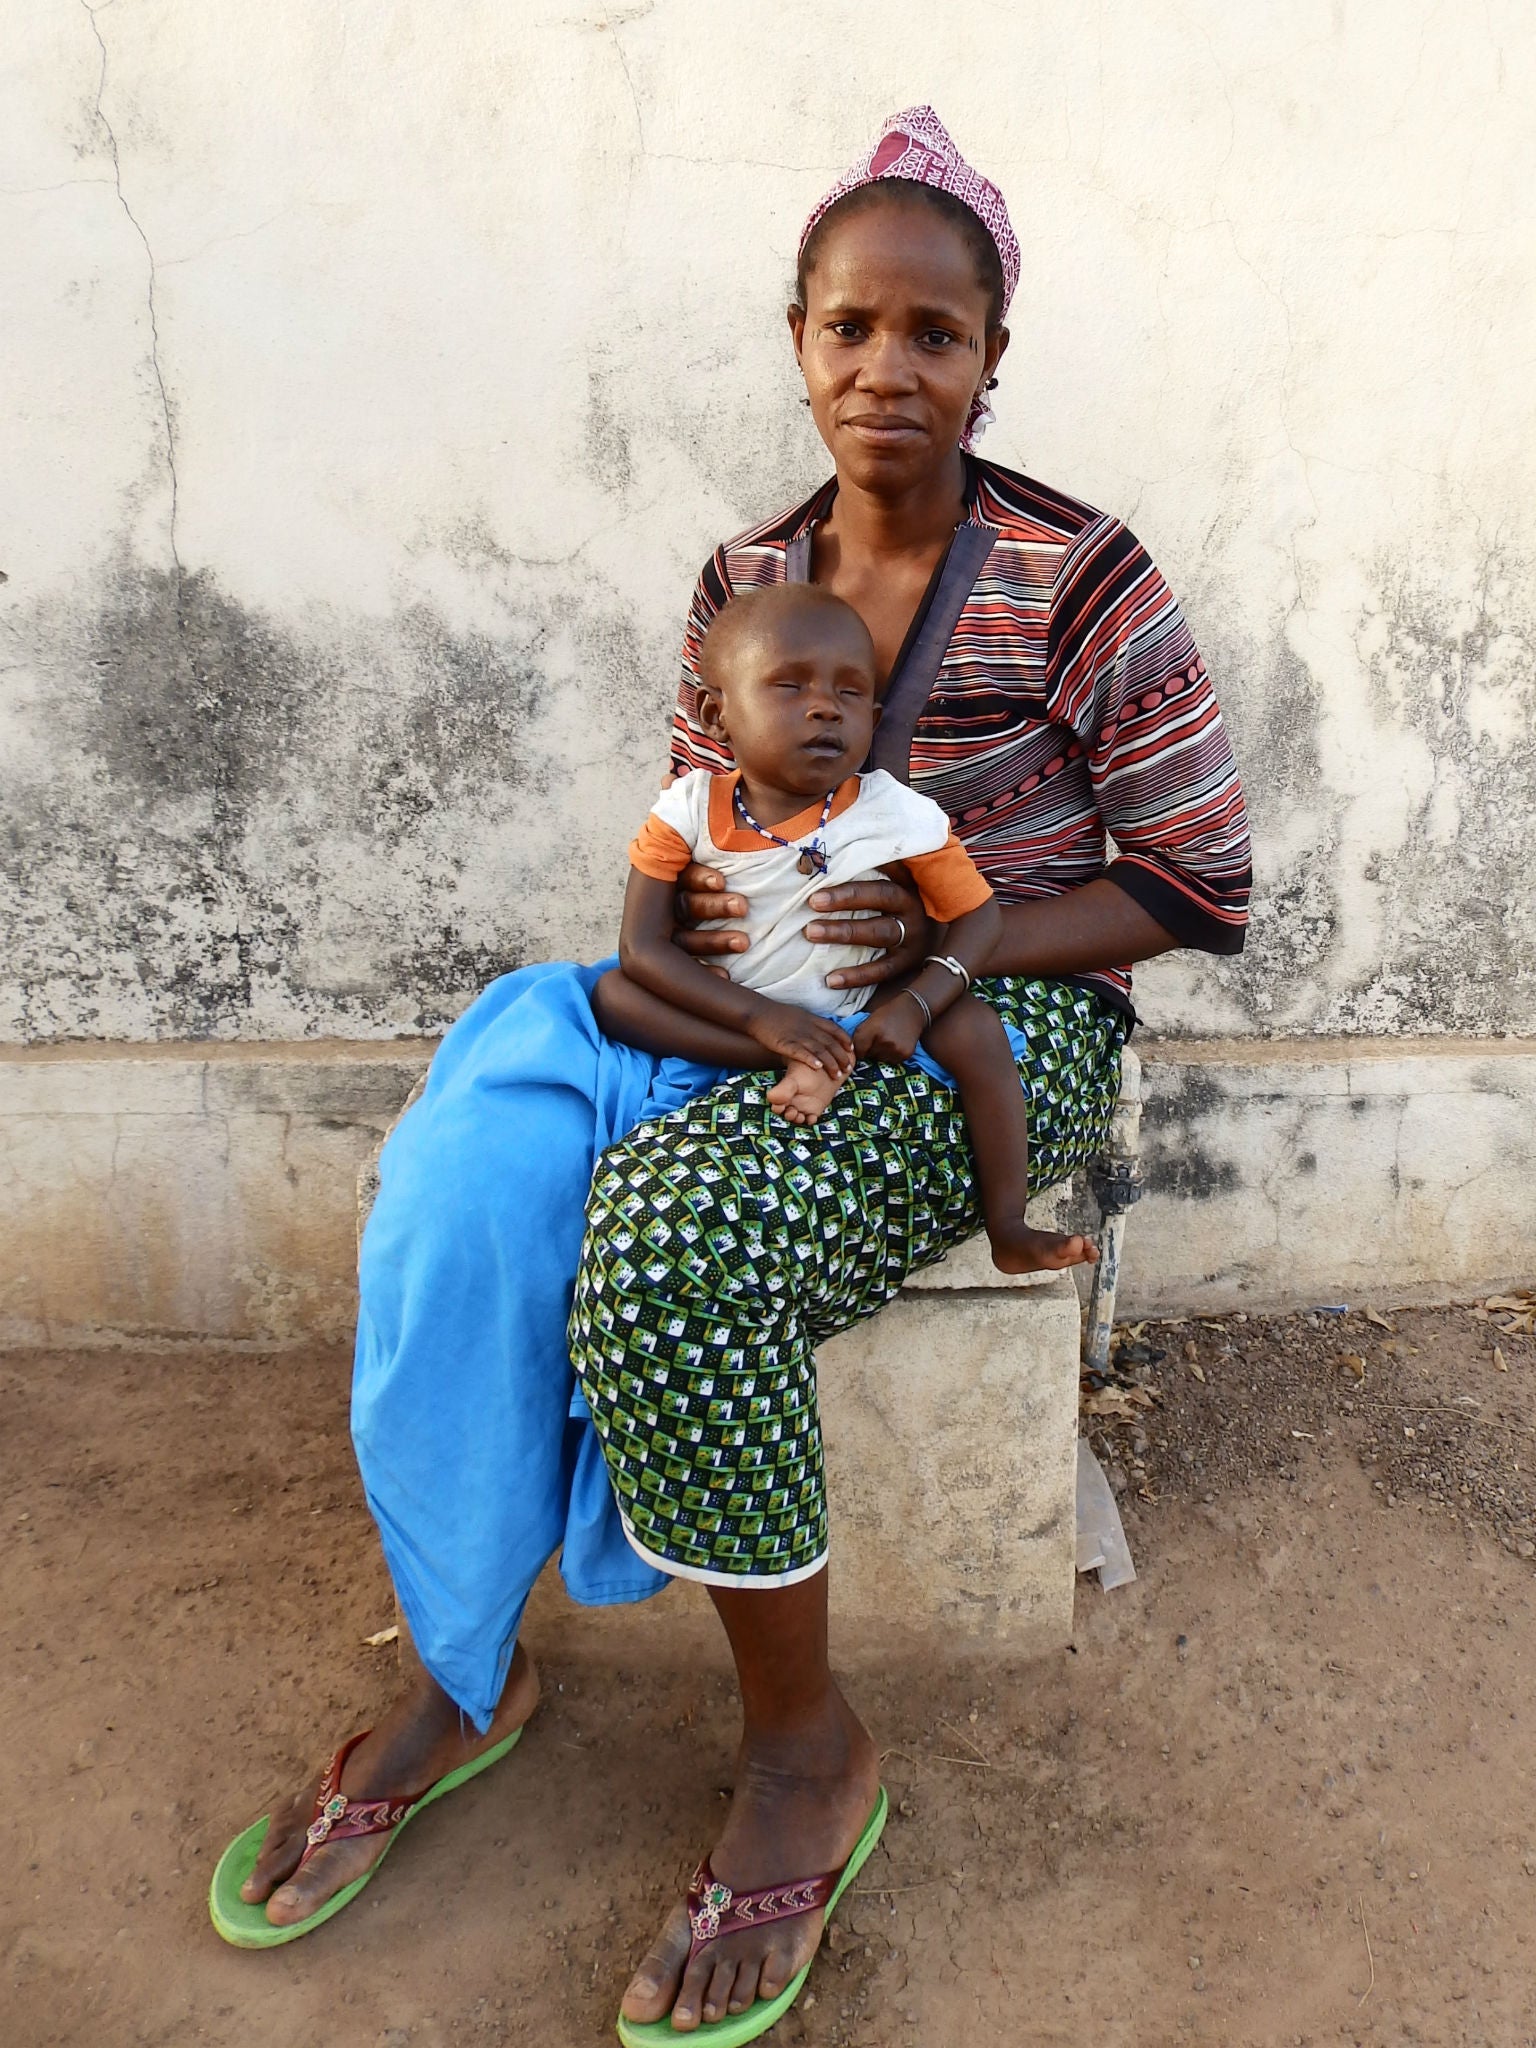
[155, 1193]
[164, 1193]
[1281, 1173]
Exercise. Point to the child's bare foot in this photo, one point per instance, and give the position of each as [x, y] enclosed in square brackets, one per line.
[802, 1092]
[1016, 1248]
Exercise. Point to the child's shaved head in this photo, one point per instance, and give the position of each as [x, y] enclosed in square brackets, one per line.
[778, 609]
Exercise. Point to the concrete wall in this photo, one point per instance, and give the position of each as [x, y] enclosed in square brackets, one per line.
[169, 1193]
[376, 378]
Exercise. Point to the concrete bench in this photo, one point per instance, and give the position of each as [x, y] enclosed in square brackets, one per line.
[951, 1428]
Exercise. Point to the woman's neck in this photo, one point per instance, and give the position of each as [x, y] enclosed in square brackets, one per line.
[917, 521]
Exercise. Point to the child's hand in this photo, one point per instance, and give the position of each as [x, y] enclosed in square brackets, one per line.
[803, 1040]
[890, 1033]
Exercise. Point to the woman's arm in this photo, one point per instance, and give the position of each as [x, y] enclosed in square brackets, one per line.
[1085, 931]
[1124, 673]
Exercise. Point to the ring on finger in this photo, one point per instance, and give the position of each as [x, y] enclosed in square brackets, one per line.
[901, 927]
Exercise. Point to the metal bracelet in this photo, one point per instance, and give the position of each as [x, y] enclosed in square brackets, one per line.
[948, 960]
[927, 1013]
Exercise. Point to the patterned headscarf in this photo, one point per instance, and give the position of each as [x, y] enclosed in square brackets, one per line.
[917, 145]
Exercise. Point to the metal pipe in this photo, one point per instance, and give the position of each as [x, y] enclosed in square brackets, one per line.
[1115, 1177]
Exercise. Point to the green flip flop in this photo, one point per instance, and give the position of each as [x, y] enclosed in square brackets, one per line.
[713, 1909]
[336, 1818]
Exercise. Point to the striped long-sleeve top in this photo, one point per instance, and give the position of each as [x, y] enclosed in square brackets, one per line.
[1071, 706]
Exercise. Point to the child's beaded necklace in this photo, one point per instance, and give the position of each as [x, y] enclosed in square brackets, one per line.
[813, 854]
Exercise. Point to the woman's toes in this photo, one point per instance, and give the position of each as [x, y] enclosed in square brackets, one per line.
[695, 1988]
[718, 1997]
[321, 1878]
[745, 1992]
[277, 1862]
[290, 1902]
[779, 1965]
[654, 1984]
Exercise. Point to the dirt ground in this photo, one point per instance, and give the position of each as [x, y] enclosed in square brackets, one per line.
[1282, 1790]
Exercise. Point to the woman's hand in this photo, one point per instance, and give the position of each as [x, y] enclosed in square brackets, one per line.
[701, 895]
[901, 927]
[801, 1039]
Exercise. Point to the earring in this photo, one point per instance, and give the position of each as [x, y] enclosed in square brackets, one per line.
[804, 400]
[991, 383]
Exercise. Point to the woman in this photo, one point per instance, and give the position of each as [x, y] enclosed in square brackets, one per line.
[1041, 683]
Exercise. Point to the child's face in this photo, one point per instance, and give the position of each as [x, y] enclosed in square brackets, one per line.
[797, 701]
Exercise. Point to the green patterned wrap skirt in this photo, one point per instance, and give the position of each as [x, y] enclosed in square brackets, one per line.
[724, 1244]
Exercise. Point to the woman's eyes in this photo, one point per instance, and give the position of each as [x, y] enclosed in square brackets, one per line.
[930, 337]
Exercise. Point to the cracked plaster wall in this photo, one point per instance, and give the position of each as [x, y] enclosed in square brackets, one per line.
[375, 378]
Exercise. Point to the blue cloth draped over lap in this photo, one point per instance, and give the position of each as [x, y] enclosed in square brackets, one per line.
[478, 1456]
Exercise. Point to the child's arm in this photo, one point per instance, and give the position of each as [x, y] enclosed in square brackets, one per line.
[649, 958]
[631, 1014]
[892, 1031]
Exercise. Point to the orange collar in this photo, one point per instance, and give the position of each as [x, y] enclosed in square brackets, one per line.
[731, 836]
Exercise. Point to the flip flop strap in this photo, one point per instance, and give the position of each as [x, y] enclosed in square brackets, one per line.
[339, 1819]
[714, 1909]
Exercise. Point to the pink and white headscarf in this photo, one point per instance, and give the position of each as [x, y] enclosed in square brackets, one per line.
[916, 145]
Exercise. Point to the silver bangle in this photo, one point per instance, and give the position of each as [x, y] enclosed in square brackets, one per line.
[901, 927]
[957, 967]
[927, 1013]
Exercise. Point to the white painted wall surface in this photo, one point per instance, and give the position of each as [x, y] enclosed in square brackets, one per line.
[375, 378]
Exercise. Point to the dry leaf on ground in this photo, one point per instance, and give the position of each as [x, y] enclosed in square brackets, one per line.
[1112, 1403]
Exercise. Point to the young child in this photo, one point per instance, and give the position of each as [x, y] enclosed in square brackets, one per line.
[788, 682]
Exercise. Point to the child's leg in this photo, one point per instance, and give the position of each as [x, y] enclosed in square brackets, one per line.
[804, 1092]
[969, 1039]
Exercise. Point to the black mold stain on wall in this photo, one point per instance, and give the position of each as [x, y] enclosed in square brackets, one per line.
[1174, 1160]
[218, 825]
[1453, 913]
[1458, 909]
[213, 790]
[191, 697]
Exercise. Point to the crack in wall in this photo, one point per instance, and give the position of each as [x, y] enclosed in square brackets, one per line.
[108, 130]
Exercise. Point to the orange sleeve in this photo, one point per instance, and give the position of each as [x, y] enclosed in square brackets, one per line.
[659, 851]
[949, 881]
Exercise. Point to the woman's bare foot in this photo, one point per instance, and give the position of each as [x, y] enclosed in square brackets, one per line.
[799, 1807]
[420, 1739]
[1016, 1248]
[801, 1093]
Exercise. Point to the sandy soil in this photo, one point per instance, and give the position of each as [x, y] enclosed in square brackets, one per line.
[1282, 1790]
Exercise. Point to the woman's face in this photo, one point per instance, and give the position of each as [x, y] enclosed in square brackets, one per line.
[893, 343]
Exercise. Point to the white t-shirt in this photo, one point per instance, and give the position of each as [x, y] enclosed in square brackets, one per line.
[875, 820]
